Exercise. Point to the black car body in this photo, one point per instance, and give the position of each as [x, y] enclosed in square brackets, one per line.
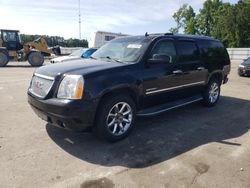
[170, 71]
[244, 68]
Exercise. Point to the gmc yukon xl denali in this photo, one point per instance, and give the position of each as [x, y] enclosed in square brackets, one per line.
[129, 77]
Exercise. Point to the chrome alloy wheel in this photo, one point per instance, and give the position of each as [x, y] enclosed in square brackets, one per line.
[119, 118]
[213, 92]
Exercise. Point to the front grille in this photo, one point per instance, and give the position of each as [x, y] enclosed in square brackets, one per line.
[41, 85]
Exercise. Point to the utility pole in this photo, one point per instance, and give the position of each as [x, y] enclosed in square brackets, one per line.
[79, 7]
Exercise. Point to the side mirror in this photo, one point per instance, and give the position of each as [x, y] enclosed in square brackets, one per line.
[159, 59]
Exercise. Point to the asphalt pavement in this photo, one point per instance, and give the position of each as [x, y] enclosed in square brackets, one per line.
[193, 146]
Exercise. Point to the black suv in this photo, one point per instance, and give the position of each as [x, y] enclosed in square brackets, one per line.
[129, 77]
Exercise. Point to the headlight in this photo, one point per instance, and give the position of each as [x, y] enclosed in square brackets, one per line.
[71, 87]
[241, 66]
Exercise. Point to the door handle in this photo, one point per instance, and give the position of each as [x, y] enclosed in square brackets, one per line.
[200, 68]
[178, 72]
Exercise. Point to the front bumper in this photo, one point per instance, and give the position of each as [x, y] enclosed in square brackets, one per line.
[76, 115]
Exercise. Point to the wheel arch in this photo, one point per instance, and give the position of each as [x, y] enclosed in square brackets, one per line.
[128, 91]
[216, 75]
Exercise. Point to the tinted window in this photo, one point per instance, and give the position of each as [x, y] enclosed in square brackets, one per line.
[211, 49]
[188, 51]
[165, 47]
[213, 53]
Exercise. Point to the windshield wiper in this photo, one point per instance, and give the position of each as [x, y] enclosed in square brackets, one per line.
[91, 57]
[108, 57]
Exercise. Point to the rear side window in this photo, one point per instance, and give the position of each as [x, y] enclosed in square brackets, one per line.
[213, 53]
[212, 49]
[188, 51]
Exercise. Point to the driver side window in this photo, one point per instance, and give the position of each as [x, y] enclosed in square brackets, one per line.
[164, 47]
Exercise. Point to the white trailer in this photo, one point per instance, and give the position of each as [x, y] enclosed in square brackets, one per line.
[99, 38]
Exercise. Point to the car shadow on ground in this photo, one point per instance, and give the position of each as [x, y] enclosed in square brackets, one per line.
[22, 65]
[18, 66]
[162, 137]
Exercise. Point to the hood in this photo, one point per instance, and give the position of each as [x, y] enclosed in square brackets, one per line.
[81, 67]
[246, 64]
[64, 58]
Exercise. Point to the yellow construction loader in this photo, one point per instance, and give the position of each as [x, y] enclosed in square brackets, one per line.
[12, 48]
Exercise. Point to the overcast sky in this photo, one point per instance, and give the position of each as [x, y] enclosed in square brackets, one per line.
[55, 17]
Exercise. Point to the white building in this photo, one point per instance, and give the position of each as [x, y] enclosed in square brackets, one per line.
[99, 38]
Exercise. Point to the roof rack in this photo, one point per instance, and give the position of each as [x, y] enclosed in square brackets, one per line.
[146, 34]
[186, 36]
[169, 34]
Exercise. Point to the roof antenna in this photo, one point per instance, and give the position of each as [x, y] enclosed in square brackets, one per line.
[146, 34]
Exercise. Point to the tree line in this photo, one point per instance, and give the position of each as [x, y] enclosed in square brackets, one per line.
[228, 22]
[56, 40]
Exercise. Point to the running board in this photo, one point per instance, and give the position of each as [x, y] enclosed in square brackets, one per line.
[168, 106]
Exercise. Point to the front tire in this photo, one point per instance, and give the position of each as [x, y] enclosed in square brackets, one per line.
[211, 93]
[115, 118]
[4, 59]
[240, 74]
[36, 59]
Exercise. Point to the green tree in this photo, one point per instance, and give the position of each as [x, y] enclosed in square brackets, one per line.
[191, 26]
[184, 18]
[208, 17]
[245, 1]
[243, 24]
[234, 26]
[228, 22]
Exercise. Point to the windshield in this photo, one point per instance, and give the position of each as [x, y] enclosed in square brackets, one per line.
[10, 36]
[78, 53]
[247, 61]
[127, 49]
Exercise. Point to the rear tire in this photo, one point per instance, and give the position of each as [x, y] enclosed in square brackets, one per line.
[211, 94]
[4, 59]
[36, 59]
[115, 118]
